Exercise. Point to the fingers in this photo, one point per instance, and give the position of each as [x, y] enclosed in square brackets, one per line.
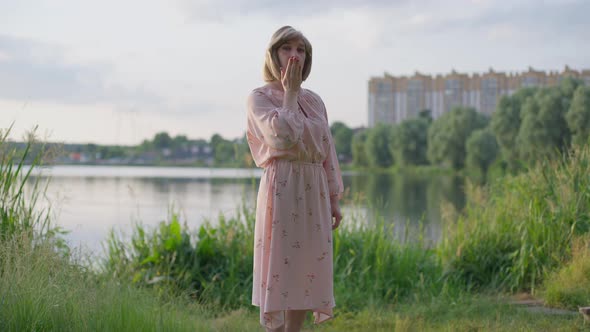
[337, 219]
[291, 76]
[290, 67]
[336, 223]
[298, 71]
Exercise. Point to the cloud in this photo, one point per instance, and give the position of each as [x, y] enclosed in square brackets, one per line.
[36, 71]
[519, 23]
[555, 17]
[220, 10]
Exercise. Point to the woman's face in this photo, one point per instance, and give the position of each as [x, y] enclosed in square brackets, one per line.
[292, 48]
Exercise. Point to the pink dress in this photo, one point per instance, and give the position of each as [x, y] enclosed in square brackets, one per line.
[293, 232]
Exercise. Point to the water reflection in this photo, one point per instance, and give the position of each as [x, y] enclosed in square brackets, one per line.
[408, 200]
[90, 206]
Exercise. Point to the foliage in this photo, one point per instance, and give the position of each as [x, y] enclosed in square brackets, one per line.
[544, 131]
[20, 211]
[409, 144]
[481, 148]
[342, 139]
[41, 290]
[506, 122]
[569, 286]
[513, 233]
[578, 116]
[373, 268]
[359, 152]
[377, 146]
[448, 134]
[162, 140]
[215, 266]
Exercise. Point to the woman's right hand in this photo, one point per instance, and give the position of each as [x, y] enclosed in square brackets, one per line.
[291, 77]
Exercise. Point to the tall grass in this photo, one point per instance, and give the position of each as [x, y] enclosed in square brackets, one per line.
[19, 210]
[40, 290]
[514, 232]
[569, 286]
[373, 268]
[509, 236]
[214, 265]
[43, 287]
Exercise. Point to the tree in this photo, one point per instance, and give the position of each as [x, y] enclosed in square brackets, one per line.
[448, 134]
[359, 153]
[216, 139]
[506, 121]
[578, 115]
[568, 87]
[342, 138]
[92, 150]
[162, 140]
[145, 146]
[378, 146]
[544, 130]
[179, 141]
[426, 115]
[409, 144]
[179, 146]
[481, 148]
[242, 152]
[224, 152]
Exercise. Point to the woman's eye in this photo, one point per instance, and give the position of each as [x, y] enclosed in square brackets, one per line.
[300, 50]
[286, 48]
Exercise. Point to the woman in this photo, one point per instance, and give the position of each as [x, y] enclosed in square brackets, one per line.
[297, 206]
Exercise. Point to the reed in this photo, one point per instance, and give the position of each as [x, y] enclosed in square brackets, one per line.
[214, 265]
[20, 210]
[514, 232]
[569, 286]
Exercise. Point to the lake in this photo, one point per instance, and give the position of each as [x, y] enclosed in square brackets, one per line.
[89, 201]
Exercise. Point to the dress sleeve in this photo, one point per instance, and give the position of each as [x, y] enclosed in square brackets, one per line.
[333, 172]
[278, 127]
[331, 164]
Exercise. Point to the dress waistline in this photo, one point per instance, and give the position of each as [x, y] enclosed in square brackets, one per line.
[307, 163]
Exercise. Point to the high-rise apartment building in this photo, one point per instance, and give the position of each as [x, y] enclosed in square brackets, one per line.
[393, 99]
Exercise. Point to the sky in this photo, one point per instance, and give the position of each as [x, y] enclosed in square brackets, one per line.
[118, 72]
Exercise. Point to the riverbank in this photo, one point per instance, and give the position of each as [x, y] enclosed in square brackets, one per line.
[44, 292]
[525, 233]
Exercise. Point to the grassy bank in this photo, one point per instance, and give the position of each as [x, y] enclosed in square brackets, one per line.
[521, 233]
[42, 291]
[508, 238]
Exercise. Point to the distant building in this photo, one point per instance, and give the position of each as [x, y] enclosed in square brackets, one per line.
[393, 99]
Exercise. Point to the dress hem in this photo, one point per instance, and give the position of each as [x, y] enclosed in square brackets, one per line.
[321, 315]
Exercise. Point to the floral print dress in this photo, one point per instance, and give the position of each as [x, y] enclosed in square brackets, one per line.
[293, 231]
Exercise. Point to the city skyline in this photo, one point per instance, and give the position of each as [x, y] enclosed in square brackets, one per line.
[393, 99]
[119, 72]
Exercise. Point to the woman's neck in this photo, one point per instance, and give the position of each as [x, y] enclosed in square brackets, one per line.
[276, 85]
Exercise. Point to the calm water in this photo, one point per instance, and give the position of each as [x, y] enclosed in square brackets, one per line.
[90, 200]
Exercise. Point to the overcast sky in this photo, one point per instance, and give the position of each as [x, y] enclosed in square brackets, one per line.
[117, 72]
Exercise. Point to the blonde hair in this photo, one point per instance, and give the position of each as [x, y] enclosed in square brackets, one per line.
[272, 64]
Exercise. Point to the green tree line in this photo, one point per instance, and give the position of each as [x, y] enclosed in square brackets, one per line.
[527, 126]
[164, 149]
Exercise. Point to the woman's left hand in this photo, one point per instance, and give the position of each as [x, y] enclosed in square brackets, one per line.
[336, 214]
